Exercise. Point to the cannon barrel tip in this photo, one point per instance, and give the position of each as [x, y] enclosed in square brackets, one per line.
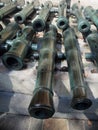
[12, 61]
[41, 105]
[81, 104]
[38, 25]
[80, 101]
[83, 26]
[62, 23]
[19, 18]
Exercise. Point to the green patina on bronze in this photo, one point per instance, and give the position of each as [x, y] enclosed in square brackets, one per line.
[75, 68]
[39, 22]
[9, 32]
[7, 9]
[14, 58]
[83, 24]
[92, 40]
[25, 12]
[62, 21]
[41, 105]
[92, 15]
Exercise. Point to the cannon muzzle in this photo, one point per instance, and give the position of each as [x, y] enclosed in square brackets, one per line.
[91, 14]
[83, 24]
[75, 69]
[62, 21]
[39, 22]
[21, 16]
[41, 105]
[14, 58]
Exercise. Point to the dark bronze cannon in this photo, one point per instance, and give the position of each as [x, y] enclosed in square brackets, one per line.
[92, 40]
[9, 32]
[91, 14]
[75, 69]
[14, 58]
[41, 105]
[7, 9]
[62, 21]
[21, 16]
[39, 22]
[83, 24]
[91, 37]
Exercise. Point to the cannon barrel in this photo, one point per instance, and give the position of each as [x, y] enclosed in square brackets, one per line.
[39, 22]
[62, 21]
[83, 24]
[7, 9]
[41, 105]
[9, 32]
[91, 14]
[14, 58]
[21, 16]
[74, 60]
[92, 40]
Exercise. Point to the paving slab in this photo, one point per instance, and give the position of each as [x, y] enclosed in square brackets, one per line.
[18, 122]
[76, 124]
[55, 124]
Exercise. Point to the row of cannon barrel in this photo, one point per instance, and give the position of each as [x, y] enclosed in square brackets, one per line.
[16, 45]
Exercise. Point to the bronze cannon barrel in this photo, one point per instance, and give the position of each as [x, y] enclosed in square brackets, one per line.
[91, 14]
[83, 24]
[14, 58]
[9, 32]
[7, 9]
[62, 21]
[74, 60]
[39, 22]
[41, 105]
[21, 16]
[92, 40]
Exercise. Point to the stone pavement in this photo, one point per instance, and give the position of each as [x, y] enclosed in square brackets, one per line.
[16, 89]
[20, 122]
